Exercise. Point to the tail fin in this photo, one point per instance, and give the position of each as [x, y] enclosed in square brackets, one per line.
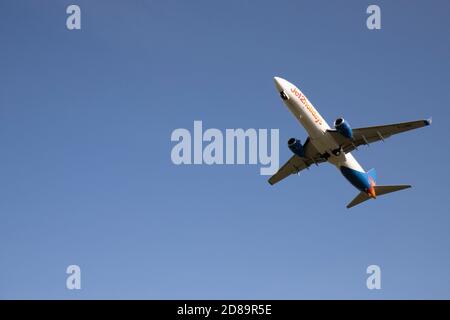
[379, 190]
[373, 174]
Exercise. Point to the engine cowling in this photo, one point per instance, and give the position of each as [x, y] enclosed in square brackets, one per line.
[296, 147]
[343, 128]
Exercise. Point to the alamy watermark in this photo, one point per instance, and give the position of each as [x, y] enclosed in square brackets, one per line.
[373, 21]
[73, 281]
[374, 280]
[73, 21]
[234, 146]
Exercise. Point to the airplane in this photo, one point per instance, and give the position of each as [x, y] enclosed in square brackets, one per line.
[334, 146]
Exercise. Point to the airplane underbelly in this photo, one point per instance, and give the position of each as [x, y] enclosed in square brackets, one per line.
[323, 142]
[315, 125]
[353, 172]
[346, 160]
[314, 129]
[320, 143]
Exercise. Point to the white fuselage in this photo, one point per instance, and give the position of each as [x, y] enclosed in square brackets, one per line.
[315, 125]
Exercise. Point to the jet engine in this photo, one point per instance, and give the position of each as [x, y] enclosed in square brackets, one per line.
[296, 147]
[343, 128]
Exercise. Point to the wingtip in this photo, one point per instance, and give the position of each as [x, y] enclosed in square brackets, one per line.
[429, 121]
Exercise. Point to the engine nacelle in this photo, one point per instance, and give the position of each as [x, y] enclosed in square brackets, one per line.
[296, 147]
[343, 128]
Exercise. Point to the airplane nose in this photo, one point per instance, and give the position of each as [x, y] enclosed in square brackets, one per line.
[278, 83]
[282, 86]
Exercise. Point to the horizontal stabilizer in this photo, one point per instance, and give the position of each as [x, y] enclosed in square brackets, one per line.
[361, 197]
[379, 191]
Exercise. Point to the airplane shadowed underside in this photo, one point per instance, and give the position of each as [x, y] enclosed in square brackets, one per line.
[325, 144]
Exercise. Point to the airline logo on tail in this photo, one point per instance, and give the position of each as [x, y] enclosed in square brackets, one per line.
[371, 190]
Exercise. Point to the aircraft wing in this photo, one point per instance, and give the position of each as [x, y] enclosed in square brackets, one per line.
[296, 164]
[364, 136]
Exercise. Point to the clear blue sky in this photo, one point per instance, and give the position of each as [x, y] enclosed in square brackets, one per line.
[86, 176]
